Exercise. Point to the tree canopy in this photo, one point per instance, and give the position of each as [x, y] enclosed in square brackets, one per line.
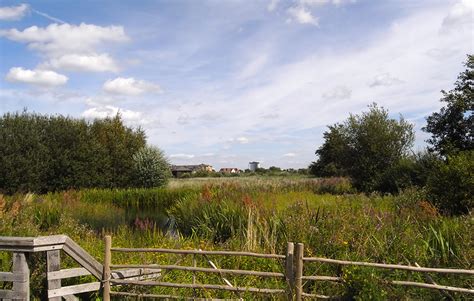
[364, 147]
[40, 153]
[452, 128]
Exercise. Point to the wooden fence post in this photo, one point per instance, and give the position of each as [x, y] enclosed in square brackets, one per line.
[107, 274]
[20, 266]
[299, 271]
[289, 269]
[53, 264]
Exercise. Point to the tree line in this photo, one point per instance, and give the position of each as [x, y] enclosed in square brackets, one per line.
[41, 153]
[375, 151]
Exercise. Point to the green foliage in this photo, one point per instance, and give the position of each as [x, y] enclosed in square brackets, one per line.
[40, 153]
[451, 186]
[258, 214]
[452, 128]
[364, 284]
[442, 243]
[364, 147]
[151, 167]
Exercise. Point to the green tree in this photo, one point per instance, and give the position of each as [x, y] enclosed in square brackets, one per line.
[452, 128]
[41, 153]
[451, 186]
[365, 147]
[151, 167]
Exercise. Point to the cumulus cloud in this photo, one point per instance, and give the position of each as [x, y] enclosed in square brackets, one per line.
[130, 86]
[289, 155]
[71, 47]
[77, 62]
[60, 39]
[272, 5]
[460, 17]
[339, 92]
[37, 77]
[110, 111]
[12, 13]
[182, 156]
[385, 79]
[302, 15]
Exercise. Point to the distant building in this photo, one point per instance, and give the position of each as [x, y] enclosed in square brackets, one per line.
[178, 170]
[254, 165]
[230, 170]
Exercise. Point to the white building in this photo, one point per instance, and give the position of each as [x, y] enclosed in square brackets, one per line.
[254, 165]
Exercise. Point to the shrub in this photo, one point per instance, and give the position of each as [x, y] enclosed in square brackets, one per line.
[451, 186]
[151, 168]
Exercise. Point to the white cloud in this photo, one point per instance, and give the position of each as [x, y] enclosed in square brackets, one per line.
[272, 5]
[289, 155]
[12, 13]
[242, 140]
[77, 62]
[130, 86]
[36, 77]
[339, 92]
[288, 107]
[110, 111]
[253, 67]
[323, 2]
[182, 156]
[59, 39]
[460, 17]
[302, 15]
[385, 79]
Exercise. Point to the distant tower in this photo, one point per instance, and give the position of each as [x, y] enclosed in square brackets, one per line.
[254, 165]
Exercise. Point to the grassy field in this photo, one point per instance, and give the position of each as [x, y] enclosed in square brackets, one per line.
[258, 214]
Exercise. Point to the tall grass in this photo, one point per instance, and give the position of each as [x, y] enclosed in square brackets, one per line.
[259, 215]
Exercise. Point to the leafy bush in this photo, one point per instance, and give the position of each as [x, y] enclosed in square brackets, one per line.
[151, 168]
[364, 147]
[40, 153]
[451, 186]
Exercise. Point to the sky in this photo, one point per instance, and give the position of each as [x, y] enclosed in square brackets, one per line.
[228, 82]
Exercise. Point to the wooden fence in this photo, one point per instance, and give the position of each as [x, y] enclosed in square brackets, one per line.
[292, 277]
[293, 262]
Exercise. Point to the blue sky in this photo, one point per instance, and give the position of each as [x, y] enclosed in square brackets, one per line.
[228, 82]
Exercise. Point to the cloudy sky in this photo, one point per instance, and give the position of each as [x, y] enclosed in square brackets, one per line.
[228, 82]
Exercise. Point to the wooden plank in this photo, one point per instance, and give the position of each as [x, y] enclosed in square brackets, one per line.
[205, 270]
[322, 278]
[201, 252]
[201, 286]
[12, 277]
[71, 298]
[136, 274]
[289, 269]
[68, 273]
[8, 294]
[106, 275]
[31, 244]
[74, 289]
[83, 258]
[20, 266]
[16, 241]
[53, 264]
[50, 240]
[299, 252]
[390, 266]
[434, 286]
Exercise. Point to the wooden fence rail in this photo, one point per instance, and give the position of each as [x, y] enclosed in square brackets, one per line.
[293, 280]
[294, 262]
